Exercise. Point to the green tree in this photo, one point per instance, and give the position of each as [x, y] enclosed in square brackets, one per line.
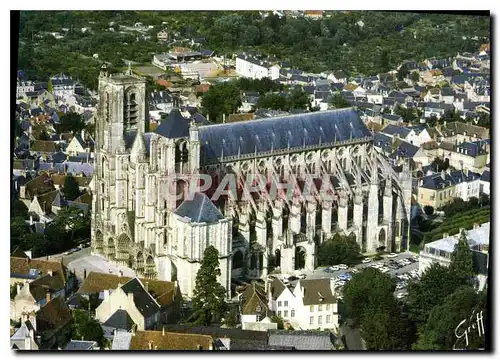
[70, 188]
[19, 209]
[461, 259]
[340, 249]
[18, 229]
[278, 320]
[367, 288]
[438, 332]
[415, 76]
[298, 99]
[339, 102]
[50, 87]
[221, 99]
[208, 296]
[83, 327]
[428, 210]
[71, 122]
[231, 318]
[402, 72]
[436, 283]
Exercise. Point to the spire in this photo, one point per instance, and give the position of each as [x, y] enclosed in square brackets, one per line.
[129, 70]
[139, 151]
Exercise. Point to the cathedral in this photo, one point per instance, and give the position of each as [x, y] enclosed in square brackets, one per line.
[138, 223]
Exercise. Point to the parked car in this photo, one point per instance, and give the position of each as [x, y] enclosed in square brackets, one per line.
[354, 271]
[343, 266]
[401, 295]
[366, 260]
[392, 255]
[334, 268]
[327, 270]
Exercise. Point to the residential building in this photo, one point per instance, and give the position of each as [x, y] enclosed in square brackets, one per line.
[132, 297]
[81, 345]
[165, 293]
[439, 189]
[162, 36]
[303, 340]
[484, 183]
[440, 251]
[53, 324]
[251, 67]
[161, 340]
[24, 337]
[254, 310]
[312, 304]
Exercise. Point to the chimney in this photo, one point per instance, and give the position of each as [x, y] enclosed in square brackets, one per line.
[175, 284]
[223, 118]
[475, 226]
[466, 170]
[120, 273]
[163, 331]
[49, 272]
[106, 294]
[420, 182]
[445, 235]
[47, 296]
[150, 344]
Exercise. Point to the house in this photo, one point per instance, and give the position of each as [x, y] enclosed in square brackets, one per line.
[338, 77]
[484, 183]
[252, 67]
[254, 310]
[457, 132]
[439, 189]
[37, 282]
[405, 151]
[419, 135]
[162, 36]
[81, 143]
[161, 340]
[81, 345]
[310, 305]
[313, 14]
[165, 293]
[132, 297]
[467, 155]
[38, 186]
[53, 324]
[391, 119]
[437, 109]
[374, 97]
[24, 337]
[440, 251]
[383, 143]
[303, 339]
[38, 147]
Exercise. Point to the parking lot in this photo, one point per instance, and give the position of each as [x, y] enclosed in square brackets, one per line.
[402, 272]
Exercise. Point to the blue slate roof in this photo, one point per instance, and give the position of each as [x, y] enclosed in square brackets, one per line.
[436, 181]
[78, 168]
[392, 117]
[393, 129]
[382, 141]
[280, 132]
[200, 209]
[206, 52]
[485, 176]
[80, 345]
[474, 148]
[174, 126]
[59, 200]
[405, 150]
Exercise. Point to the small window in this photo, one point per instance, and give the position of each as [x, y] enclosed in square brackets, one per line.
[311, 320]
[327, 307]
[279, 313]
[311, 308]
[328, 318]
[279, 303]
[320, 307]
[320, 320]
[285, 313]
[292, 313]
[286, 303]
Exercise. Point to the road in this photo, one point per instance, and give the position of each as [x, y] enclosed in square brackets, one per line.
[319, 273]
[82, 261]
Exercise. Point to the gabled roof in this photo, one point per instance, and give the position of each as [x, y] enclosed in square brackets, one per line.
[200, 209]
[120, 320]
[52, 316]
[302, 340]
[163, 291]
[280, 132]
[44, 146]
[394, 129]
[20, 267]
[254, 301]
[144, 302]
[317, 291]
[382, 141]
[157, 340]
[174, 126]
[405, 150]
[80, 345]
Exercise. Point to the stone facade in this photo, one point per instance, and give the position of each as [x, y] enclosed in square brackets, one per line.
[134, 219]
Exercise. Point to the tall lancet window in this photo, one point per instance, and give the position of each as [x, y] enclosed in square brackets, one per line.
[130, 110]
[107, 106]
